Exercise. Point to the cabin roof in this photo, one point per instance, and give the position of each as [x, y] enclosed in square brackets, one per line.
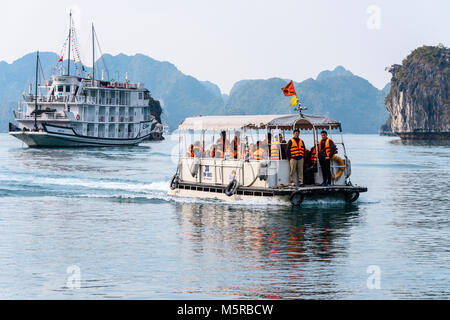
[286, 122]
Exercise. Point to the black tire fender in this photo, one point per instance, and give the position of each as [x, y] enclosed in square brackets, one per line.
[351, 196]
[296, 198]
[174, 182]
[231, 188]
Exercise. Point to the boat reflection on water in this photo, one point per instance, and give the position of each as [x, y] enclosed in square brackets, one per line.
[286, 251]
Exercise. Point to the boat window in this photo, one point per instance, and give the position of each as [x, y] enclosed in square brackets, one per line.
[60, 88]
[67, 88]
[140, 95]
[113, 94]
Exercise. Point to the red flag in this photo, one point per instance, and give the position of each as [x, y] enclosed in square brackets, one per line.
[289, 90]
[60, 59]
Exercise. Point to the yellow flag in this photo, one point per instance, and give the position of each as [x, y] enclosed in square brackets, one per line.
[294, 101]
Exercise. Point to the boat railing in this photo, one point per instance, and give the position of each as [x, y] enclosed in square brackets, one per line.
[53, 116]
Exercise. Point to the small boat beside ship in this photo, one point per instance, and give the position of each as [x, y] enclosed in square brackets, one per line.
[237, 176]
[82, 111]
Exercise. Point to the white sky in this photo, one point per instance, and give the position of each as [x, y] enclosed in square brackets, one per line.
[227, 41]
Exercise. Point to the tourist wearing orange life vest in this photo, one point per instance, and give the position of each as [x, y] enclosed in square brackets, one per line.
[310, 165]
[219, 154]
[198, 150]
[296, 154]
[260, 153]
[327, 149]
[212, 151]
[236, 143]
[278, 149]
[190, 153]
[195, 150]
[222, 142]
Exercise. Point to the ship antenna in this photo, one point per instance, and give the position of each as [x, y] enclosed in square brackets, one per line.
[70, 40]
[93, 54]
[35, 92]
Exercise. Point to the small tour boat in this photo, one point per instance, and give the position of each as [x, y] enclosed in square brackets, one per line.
[241, 157]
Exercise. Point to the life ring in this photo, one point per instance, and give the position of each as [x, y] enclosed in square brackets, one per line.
[231, 188]
[112, 119]
[174, 182]
[296, 198]
[340, 166]
[131, 118]
[78, 117]
[102, 118]
[121, 119]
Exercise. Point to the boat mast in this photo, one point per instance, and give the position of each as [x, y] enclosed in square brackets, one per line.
[35, 93]
[93, 54]
[70, 40]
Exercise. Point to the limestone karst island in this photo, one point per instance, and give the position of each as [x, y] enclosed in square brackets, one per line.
[419, 100]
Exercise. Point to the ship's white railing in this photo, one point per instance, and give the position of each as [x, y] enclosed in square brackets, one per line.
[77, 99]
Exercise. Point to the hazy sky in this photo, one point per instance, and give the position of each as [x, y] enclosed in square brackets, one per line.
[227, 41]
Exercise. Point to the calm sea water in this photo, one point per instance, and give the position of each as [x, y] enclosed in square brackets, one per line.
[97, 223]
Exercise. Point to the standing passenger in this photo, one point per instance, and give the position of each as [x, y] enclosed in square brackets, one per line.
[296, 154]
[327, 149]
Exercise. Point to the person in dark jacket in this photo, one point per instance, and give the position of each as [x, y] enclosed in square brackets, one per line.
[327, 149]
[310, 166]
[283, 146]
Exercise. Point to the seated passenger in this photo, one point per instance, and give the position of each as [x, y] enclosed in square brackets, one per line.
[219, 152]
[198, 151]
[260, 152]
[236, 143]
[190, 153]
[212, 151]
[229, 154]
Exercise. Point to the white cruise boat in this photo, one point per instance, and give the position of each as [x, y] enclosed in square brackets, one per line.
[81, 111]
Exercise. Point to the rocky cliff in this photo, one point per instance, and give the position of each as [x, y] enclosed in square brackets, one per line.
[419, 98]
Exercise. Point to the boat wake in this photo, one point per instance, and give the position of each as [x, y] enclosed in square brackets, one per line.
[130, 191]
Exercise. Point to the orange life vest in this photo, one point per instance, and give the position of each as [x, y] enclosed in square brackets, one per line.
[190, 154]
[275, 151]
[235, 148]
[297, 151]
[327, 147]
[313, 155]
[259, 154]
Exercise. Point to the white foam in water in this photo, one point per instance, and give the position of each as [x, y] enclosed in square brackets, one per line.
[158, 191]
[365, 200]
[109, 185]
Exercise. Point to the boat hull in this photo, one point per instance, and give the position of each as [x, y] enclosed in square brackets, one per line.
[288, 194]
[62, 137]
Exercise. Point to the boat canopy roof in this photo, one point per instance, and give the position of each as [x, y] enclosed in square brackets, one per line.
[235, 122]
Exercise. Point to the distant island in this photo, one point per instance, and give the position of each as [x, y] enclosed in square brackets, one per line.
[336, 93]
[419, 98]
